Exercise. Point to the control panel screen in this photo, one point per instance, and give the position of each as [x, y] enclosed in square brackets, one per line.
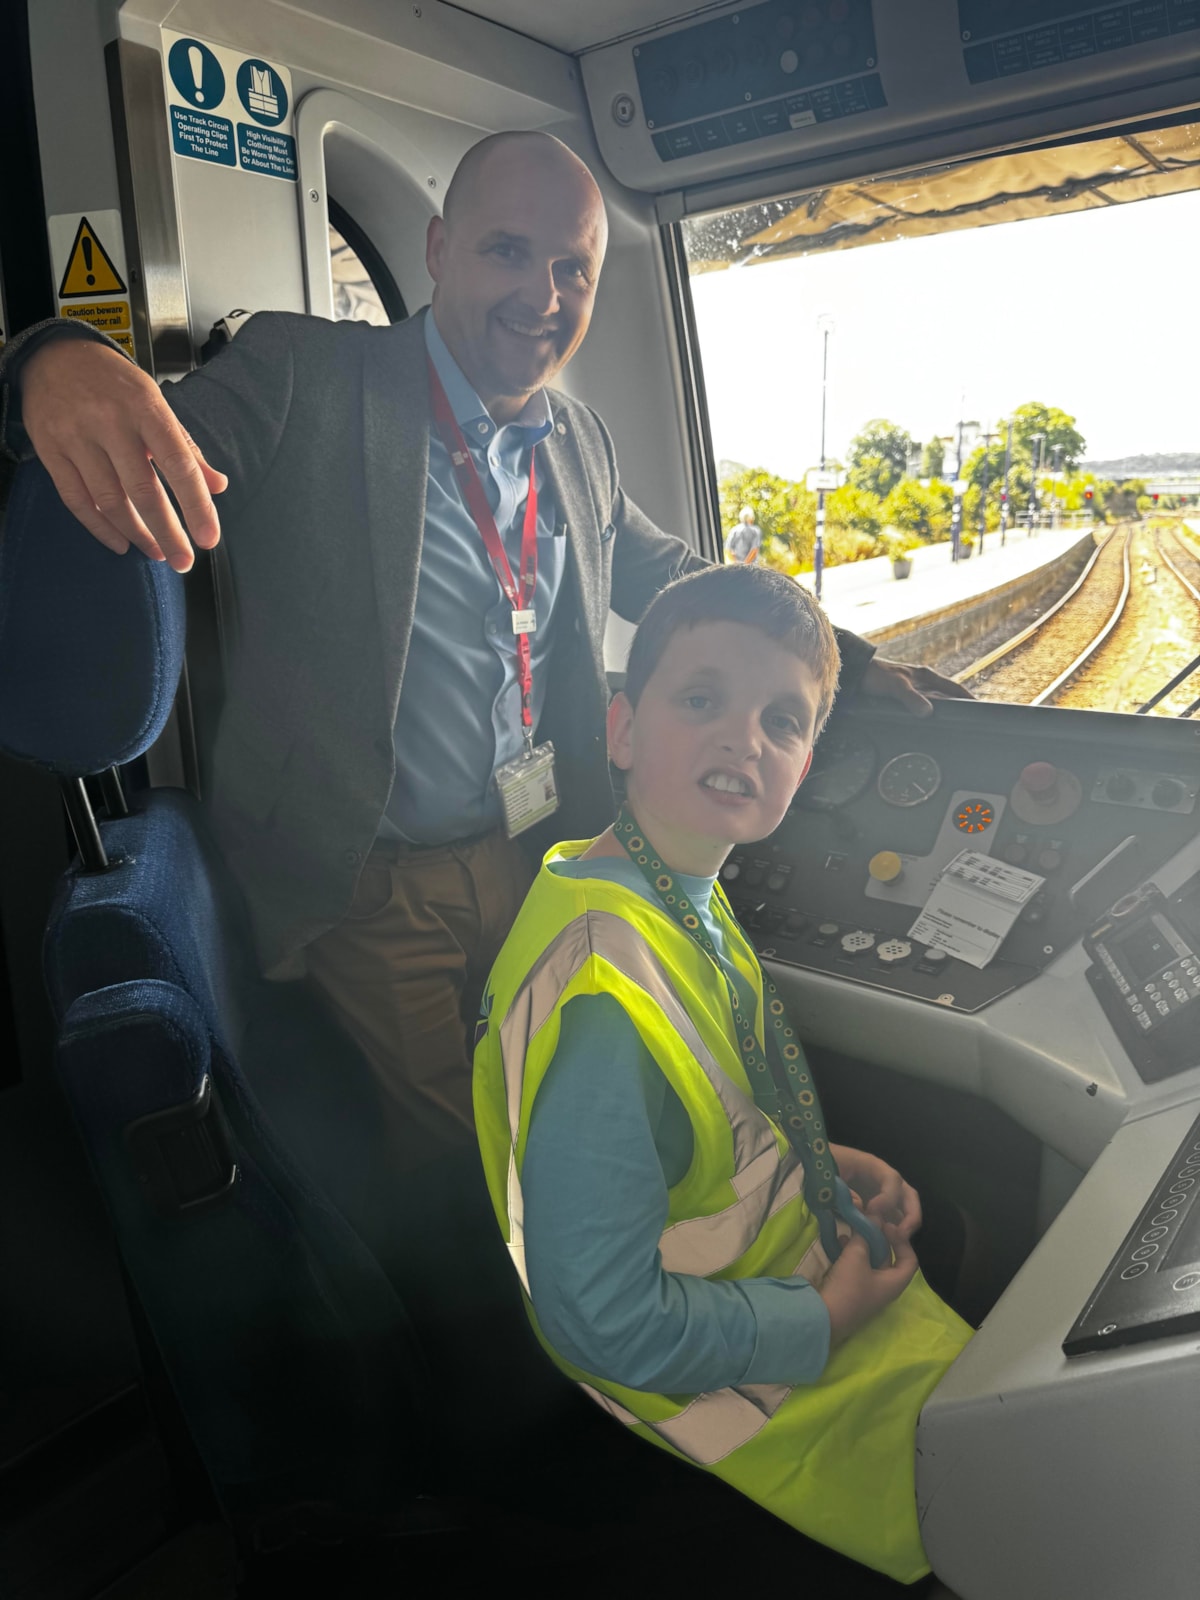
[1146, 950]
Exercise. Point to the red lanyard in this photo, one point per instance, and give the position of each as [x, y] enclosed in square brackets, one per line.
[519, 595]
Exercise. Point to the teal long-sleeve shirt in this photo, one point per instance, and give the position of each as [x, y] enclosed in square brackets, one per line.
[607, 1140]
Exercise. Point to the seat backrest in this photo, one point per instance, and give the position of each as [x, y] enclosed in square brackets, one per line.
[91, 644]
[289, 1351]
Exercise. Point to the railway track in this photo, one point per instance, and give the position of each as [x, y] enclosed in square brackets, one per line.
[1181, 553]
[1123, 638]
[1028, 668]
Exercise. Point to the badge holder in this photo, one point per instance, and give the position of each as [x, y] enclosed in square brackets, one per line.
[528, 788]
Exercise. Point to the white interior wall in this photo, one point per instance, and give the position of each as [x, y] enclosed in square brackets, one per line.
[441, 78]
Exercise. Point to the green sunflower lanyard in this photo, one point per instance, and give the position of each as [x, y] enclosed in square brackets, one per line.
[797, 1110]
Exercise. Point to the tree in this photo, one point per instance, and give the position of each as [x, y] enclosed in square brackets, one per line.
[1061, 442]
[932, 457]
[785, 511]
[1120, 500]
[879, 456]
[920, 509]
[860, 509]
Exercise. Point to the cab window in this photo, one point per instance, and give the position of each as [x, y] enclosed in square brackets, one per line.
[364, 289]
[965, 382]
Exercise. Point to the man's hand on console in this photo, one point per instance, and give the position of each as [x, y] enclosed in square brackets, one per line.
[914, 688]
[100, 427]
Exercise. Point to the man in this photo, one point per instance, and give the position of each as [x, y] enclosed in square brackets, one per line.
[744, 539]
[377, 685]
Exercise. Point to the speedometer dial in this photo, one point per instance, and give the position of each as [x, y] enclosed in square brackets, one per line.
[842, 767]
[910, 779]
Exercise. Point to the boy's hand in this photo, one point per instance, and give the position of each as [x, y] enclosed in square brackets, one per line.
[880, 1191]
[854, 1292]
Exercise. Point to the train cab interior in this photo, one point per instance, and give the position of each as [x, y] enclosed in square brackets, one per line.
[238, 1356]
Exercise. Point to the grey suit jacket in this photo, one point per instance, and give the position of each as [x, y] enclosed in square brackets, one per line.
[323, 429]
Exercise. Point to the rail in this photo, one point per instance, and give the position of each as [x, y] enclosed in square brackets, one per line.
[1026, 633]
[1086, 655]
[1192, 666]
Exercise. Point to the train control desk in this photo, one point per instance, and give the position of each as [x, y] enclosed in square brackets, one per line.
[1042, 1471]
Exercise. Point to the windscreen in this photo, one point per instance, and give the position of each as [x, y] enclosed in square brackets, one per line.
[961, 404]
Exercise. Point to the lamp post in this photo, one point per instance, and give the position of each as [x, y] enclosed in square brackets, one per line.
[967, 438]
[825, 326]
[956, 514]
[1004, 492]
[1057, 481]
[1035, 460]
[987, 445]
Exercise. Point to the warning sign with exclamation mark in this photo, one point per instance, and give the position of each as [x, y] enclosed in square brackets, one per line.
[210, 88]
[87, 255]
[90, 270]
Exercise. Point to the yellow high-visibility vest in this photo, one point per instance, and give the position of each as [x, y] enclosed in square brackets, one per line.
[832, 1458]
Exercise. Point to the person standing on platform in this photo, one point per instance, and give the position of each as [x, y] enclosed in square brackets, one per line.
[744, 539]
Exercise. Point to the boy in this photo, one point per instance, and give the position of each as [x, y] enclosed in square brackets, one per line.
[707, 1276]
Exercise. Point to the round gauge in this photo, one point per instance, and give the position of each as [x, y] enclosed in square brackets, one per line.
[842, 767]
[974, 816]
[909, 779]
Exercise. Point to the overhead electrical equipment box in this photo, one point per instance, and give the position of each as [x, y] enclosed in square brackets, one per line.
[790, 82]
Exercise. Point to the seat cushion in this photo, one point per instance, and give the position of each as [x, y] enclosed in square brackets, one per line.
[291, 1355]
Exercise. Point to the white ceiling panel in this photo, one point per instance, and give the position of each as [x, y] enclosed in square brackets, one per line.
[574, 25]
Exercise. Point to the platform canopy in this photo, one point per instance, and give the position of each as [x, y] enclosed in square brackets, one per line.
[1100, 171]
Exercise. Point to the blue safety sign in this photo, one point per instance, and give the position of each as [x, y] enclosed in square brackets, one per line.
[261, 90]
[196, 74]
[229, 109]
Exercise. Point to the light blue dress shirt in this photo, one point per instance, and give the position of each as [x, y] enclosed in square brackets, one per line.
[608, 1138]
[459, 716]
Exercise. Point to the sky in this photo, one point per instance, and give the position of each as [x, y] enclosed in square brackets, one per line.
[1097, 312]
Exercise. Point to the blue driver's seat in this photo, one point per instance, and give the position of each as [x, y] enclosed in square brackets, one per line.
[290, 1353]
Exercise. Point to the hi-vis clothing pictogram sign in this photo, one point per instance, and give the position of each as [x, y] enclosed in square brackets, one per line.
[229, 109]
[87, 257]
[89, 269]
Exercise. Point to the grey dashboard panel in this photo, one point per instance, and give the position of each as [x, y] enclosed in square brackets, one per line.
[1059, 1479]
[839, 85]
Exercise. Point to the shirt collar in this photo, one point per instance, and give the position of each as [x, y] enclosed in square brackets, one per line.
[469, 410]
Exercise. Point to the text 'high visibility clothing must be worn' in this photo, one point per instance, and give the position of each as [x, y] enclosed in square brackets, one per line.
[833, 1458]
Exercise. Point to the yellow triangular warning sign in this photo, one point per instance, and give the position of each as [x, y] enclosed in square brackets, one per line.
[89, 267]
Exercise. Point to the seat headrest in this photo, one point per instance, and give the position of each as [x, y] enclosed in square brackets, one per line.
[91, 643]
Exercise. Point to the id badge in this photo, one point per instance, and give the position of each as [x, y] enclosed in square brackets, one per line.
[528, 789]
[524, 621]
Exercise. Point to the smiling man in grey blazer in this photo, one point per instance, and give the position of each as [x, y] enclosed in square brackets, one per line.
[375, 688]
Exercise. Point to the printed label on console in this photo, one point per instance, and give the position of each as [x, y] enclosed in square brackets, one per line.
[973, 905]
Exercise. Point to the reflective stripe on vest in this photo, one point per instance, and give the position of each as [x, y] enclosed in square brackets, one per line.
[714, 1425]
[764, 1178]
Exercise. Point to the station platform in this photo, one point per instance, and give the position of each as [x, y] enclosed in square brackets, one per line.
[865, 597]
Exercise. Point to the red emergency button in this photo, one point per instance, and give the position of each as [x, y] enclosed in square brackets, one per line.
[1041, 780]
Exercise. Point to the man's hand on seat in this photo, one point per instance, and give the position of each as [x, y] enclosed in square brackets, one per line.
[100, 427]
[915, 688]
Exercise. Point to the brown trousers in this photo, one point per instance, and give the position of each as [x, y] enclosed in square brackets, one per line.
[404, 974]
